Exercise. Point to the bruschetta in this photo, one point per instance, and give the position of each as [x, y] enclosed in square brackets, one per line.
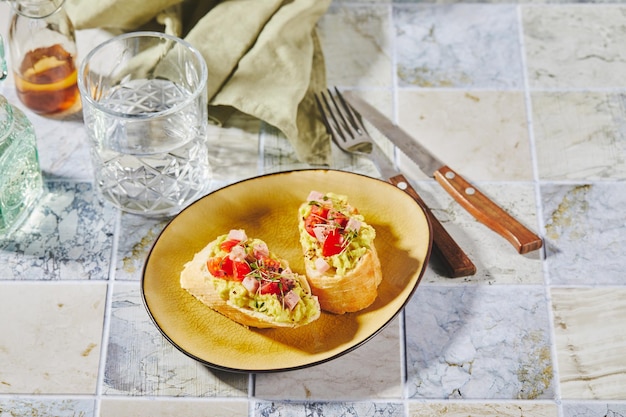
[340, 258]
[242, 279]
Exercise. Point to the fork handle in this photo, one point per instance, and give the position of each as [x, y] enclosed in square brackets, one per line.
[487, 212]
[456, 262]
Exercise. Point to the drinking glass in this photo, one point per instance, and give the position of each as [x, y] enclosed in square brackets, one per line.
[145, 110]
[21, 182]
[3, 62]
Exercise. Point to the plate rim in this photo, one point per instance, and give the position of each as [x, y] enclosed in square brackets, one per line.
[307, 364]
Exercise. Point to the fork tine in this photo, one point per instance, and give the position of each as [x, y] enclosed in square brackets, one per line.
[331, 116]
[343, 123]
[335, 111]
[348, 112]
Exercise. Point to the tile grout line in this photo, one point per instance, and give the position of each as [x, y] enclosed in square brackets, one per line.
[539, 209]
[404, 399]
[107, 315]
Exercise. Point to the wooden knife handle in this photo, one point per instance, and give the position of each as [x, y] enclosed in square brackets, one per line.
[487, 212]
[455, 260]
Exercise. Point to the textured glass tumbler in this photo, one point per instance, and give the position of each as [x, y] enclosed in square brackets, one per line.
[145, 110]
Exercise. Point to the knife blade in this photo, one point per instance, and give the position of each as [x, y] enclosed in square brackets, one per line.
[454, 259]
[469, 197]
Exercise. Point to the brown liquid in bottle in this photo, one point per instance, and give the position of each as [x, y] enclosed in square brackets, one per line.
[46, 83]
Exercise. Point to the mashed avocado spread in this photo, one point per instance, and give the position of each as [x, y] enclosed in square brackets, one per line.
[356, 242]
[271, 304]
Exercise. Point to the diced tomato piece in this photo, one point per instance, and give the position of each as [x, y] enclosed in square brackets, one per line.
[320, 211]
[318, 215]
[338, 218]
[214, 265]
[227, 266]
[332, 244]
[240, 270]
[227, 245]
[272, 287]
[269, 264]
[309, 224]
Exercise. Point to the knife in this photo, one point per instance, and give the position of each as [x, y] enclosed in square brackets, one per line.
[468, 196]
[454, 259]
[348, 132]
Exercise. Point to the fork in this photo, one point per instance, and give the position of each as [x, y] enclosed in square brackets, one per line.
[347, 130]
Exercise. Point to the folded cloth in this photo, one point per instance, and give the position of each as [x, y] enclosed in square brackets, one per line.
[264, 56]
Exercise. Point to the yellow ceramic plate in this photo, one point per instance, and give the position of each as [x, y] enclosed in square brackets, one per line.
[266, 207]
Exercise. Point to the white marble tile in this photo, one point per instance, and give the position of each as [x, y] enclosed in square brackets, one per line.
[593, 409]
[590, 337]
[141, 362]
[573, 46]
[371, 371]
[357, 45]
[51, 343]
[465, 409]
[46, 407]
[458, 45]
[483, 135]
[478, 342]
[134, 244]
[496, 260]
[232, 147]
[585, 233]
[352, 409]
[580, 135]
[117, 407]
[69, 235]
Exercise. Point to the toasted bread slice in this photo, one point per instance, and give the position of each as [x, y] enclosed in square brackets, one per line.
[340, 258]
[250, 285]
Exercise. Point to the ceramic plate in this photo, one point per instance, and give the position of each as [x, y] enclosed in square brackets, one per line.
[266, 207]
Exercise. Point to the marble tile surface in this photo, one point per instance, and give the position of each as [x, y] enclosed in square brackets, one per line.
[585, 230]
[47, 408]
[478, 342]
[148, 365]
[234, 150]
[573, 46]
[580, 135]
[461, 409]
[51, 344]
[134, 245]
[365, 32]
[358, 409]
[116, 407]
[378, 362]
[496, 260]
[483, 135]
[590, 337]
[593, 409]
[69, 235]
[457, 45]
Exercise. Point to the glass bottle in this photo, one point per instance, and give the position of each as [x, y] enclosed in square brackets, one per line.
[21, 183]
[43, 49]
[3, 62]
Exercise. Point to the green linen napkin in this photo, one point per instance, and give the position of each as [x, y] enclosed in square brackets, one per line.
[264, 56]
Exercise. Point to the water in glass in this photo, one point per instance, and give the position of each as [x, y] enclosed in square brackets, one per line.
[145, 164]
